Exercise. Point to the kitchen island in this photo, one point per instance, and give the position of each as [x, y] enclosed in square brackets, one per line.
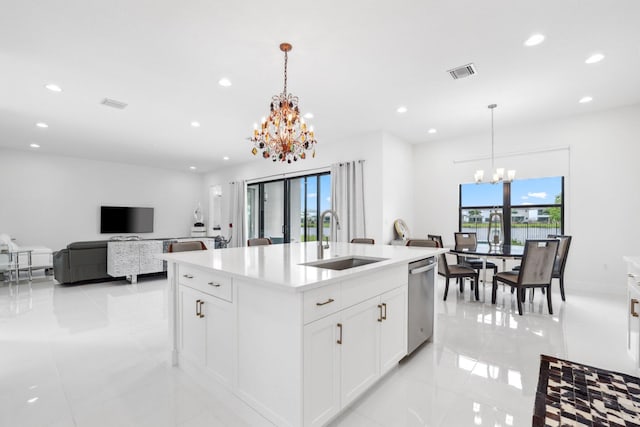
[297, 338]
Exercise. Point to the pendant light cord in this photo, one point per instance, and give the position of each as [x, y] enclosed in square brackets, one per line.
[492, 153]
[492, 107]
[285, 72]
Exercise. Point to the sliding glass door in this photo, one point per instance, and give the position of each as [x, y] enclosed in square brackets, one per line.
[273, 206]
[287, 210]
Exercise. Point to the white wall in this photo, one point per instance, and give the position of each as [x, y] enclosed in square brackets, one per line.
[397, 185]
[598, 154]
[366, 147]
[53, 201]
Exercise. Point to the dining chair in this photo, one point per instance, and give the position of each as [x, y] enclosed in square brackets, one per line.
[560, 262]
[471, 240]
[260, 241]
[456, 271]
[561, 259]
[535, 271]
[364, 240]
[195, 245]
[425, 243]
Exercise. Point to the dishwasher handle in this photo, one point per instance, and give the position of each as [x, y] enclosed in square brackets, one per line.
[422, 269]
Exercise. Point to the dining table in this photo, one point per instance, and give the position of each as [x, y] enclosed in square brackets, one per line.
[484, 251]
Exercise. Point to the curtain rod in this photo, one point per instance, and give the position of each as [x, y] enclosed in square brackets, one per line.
[287, 174]
[293, 174]
[514, 154]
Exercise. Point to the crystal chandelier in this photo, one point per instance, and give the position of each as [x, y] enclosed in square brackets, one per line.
[498, 174]
[284, 135]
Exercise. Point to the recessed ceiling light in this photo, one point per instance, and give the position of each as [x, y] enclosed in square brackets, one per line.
[53, 87]
[224, 82]
[585, 99]
[225, 158]
[402, 109]
[195, 124]
[34, 145]
[308, 116]
[42, 125]
[534, 40]
[432, 130]
[193, 168]
[596, 57]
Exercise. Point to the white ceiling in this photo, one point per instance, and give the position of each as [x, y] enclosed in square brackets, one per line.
[353, 63]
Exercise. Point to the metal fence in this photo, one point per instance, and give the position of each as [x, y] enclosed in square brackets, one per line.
[519, 232]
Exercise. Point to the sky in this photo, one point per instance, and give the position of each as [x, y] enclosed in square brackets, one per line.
[536, 191]
[325, 193]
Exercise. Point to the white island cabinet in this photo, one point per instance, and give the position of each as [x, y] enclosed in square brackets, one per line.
[298, 343]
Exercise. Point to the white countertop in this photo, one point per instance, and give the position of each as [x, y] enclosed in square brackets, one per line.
[279, 265]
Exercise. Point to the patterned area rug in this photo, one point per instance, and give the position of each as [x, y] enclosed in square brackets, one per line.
[572, 394]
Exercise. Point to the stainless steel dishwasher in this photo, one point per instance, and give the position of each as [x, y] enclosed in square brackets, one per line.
[421, 303]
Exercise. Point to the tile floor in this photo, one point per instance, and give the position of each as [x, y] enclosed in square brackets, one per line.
[96, 355]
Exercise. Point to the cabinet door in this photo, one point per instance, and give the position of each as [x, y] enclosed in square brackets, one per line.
[218, 316]
[192, 327]
[321, 370]
[148, 261]
[393, 329]
[633, 334]
[360, 348]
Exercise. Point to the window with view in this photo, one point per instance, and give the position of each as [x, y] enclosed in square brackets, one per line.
[532, 208]
[286, 210]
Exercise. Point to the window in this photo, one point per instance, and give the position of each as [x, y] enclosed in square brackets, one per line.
[476, 202]
[532, 208]
[287, 210]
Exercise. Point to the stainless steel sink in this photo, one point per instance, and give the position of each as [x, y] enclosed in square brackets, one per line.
[344, 263]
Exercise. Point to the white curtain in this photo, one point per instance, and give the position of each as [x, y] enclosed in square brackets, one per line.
[347, 200]
[237, 213]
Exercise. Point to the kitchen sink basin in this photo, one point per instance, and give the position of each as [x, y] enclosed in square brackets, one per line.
[343, 263]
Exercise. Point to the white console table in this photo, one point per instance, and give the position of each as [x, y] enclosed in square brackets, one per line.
[130, 258]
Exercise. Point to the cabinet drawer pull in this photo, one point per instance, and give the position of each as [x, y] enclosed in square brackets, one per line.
[198, 308]
[384, 316]
[188, 276]
[201, 304]
[214, 284]
[634, 313]
[340, 336]
[380, 317]
[329, 301]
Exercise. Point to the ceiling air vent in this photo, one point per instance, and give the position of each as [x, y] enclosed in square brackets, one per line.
[463, 71]
[114, 104]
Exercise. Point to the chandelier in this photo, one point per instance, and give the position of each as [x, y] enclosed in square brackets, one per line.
[498, 173]
[284, 135]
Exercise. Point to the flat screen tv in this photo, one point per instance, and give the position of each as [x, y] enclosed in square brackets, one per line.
[121, 219]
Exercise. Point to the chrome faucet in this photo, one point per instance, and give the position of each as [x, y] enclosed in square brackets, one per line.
[321, 245]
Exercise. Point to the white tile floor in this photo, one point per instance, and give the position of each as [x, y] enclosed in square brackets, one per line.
[96, 355]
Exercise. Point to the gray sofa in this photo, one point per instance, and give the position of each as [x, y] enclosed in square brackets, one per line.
[81, 262]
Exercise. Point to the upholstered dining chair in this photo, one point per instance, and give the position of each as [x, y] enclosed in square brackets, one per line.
[471, 240]
[560, 262]
[456, 271]
[561, 259]
[261, 241]
[425, 243]
[535, 271]
[364, 240]
[195, 245]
